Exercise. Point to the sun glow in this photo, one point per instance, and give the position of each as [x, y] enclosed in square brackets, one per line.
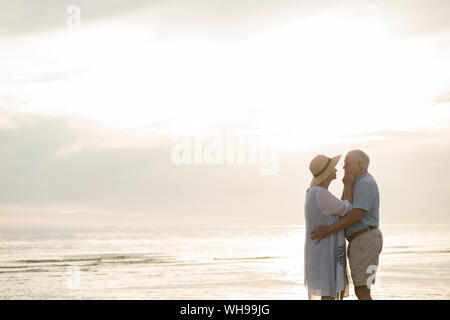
[312, 76]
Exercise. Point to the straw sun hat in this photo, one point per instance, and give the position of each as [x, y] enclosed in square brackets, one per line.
[321, 167]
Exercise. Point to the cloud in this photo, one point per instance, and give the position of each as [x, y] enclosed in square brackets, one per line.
[443, 98]
[216, 17]
[28, 16]
[383, 136]
[30, 77]
[220, 18]
[416, 18]
[41, 168]
[68, 171]
[57, 168]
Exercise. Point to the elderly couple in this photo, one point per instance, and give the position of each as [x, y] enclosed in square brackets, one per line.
[329, 221]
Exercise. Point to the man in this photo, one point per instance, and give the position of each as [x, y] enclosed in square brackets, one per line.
[361, 224]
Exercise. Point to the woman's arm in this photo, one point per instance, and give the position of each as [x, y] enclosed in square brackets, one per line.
[349, 178]
[320, 233]
[330, 205]
[347, 193]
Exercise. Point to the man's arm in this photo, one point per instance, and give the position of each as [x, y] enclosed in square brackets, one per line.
[320, 233]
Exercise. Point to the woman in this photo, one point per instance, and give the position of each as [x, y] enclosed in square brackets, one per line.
[325, 262]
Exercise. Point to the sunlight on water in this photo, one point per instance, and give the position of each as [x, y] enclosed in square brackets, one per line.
[264, 262]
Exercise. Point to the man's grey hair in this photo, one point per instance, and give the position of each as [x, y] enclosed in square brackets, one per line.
[361, 157]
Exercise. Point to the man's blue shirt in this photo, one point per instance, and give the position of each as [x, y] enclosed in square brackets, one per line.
[366, 197]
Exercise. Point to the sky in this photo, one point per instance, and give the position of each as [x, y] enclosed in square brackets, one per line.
[90, 114]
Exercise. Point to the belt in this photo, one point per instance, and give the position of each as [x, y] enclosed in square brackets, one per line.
[358, 233]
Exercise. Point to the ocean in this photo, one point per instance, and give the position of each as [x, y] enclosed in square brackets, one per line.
[259, 262]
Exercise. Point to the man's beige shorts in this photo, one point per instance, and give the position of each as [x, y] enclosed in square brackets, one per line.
[364, 252]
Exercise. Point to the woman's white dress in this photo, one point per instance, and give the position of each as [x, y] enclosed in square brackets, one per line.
[325, 263]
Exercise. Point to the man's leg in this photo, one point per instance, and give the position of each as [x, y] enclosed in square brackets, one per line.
[363, 293]
[364, 252]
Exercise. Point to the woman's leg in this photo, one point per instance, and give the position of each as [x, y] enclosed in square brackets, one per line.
[327, 298]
